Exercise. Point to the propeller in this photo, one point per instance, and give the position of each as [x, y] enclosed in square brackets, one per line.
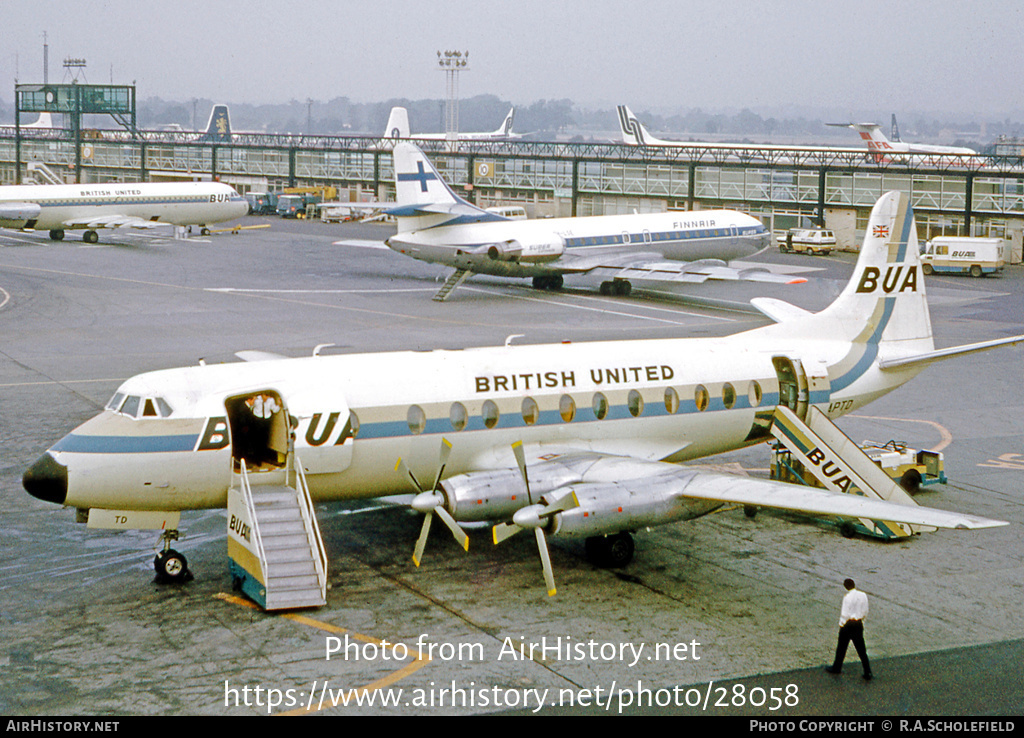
[432, 502]
[536, 516]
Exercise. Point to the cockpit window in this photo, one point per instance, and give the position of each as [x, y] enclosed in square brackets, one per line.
[130, 406]
[145, 407]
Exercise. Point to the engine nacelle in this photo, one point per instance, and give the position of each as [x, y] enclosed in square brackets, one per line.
[547, 249]
[613, 507]
[496, 495]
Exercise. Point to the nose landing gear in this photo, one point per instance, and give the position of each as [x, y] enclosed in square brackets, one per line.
[171, 566]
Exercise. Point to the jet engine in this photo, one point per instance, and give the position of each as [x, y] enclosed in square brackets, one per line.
[535, 251]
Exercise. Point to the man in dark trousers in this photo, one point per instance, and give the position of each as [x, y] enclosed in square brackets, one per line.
[851, 628]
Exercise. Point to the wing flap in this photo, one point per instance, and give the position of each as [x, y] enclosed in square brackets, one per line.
[692, 272]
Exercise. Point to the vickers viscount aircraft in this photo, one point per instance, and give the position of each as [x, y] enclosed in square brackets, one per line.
[57, 208]
[436, 225]
[564, 439]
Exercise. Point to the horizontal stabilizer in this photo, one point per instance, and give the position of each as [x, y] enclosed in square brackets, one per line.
[933, 356]
[259, 356]
[778, 310]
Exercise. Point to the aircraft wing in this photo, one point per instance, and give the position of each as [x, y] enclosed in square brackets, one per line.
[646, 482]
[113, 221]
[780, 495]
[699, 271]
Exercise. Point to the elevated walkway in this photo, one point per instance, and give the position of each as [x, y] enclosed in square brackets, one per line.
[840, 465]
[274, 544]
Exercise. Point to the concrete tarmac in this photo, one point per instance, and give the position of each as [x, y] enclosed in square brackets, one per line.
[717, 602]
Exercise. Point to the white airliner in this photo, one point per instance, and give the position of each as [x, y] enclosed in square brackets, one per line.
[57, 208]
[398, 128]
[564, 439]
[881, 148]
[436, 225]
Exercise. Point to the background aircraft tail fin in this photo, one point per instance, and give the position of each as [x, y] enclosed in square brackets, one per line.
[398, 124]
[633, 131]
[506, 125]
[218, 128]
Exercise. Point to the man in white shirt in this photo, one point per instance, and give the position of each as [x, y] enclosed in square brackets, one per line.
[851, 628]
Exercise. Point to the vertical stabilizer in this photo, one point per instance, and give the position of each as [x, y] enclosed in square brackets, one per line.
[423, 197]
[633, 131]
[218, 128]
[398, 124]
[506, 126]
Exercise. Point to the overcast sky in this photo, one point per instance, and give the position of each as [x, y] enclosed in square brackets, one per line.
[900, 56]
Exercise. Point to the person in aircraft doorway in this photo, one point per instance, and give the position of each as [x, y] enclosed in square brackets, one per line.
[851, 628]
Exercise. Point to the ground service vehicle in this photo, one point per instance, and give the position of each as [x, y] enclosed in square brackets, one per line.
[963, 255]
[809, 240]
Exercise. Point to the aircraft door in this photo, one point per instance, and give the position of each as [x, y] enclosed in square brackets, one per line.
[260, 430]
[792, 384]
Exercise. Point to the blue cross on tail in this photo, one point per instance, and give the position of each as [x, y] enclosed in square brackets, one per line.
[421, 176]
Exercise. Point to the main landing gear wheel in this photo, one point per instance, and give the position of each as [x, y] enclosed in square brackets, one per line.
[617, 287]
[90, 237]
[611, 551]
[548, 282]
[57, 234]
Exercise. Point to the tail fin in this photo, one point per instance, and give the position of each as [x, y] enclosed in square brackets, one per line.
[398, 124]
[218, 128]
[633, 131]
[506, 125]
[884, 303]
[421, 193]
[895, 133]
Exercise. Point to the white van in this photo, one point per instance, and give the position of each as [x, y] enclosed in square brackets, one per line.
[811, 240]
[963, 255]
[512, 212]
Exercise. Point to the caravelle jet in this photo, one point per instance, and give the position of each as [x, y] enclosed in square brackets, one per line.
[57, 208]
[438, 226]
[563, 440]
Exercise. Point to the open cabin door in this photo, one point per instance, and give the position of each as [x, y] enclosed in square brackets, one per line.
[260, 430]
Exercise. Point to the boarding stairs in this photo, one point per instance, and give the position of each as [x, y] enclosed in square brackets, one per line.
[458, 277]
[840, 465]
[274, 543]
[42, 174]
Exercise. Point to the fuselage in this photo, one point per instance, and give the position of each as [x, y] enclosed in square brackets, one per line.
[566, 245]
[166, 440]
[68, 206]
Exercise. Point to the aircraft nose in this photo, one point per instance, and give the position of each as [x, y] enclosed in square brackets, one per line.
[47, 480]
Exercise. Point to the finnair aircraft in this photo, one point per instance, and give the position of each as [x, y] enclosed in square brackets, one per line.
[398, 128]
[574, 439]
[57, 208]
[436, 225]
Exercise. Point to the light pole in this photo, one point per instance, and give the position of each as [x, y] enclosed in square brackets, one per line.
[451, 63]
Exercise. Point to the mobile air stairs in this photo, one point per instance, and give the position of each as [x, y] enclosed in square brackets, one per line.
[839, 465]
[274, 544]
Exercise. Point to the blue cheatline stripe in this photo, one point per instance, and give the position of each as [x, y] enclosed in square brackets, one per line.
[125, 444]
[870, 350]
[77, 443]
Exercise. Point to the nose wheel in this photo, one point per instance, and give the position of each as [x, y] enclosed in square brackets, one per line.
[171, 566]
